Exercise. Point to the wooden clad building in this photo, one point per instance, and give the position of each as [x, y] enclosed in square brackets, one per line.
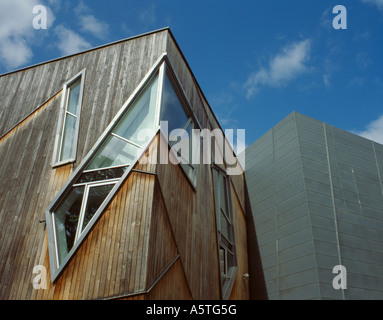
[89, 209]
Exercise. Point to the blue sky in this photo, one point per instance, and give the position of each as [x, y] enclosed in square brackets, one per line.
[256, 61]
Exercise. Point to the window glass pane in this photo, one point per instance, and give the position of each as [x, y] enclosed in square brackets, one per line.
[74, 95]
[67, 148]
[179, 141]
[222, 260]
[114, 152]
[223, 193]
[226, 243]
[140, 116]
[171, 108]
[99, 175]
[225, 226]
[188, 144]
[66, 220]
[96, 197]
[230, 260]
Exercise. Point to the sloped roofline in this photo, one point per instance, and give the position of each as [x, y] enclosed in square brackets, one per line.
[88, 50]
[124, 40]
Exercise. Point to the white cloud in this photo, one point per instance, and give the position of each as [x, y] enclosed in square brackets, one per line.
[326, 79]
[148, 16]
[378, 3]
[16, 31]
[69, 41]
[15, 53]
[284, 67]
[89, 23]
[374, 130]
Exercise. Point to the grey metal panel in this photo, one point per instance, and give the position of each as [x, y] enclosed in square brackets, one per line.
[326, 248]
[299, 237]
[324, 235]
[286, 190]
[360, 243]
[338, 169]
[292, 214]
[319, 198]
[314, 165]
[283, 160]
[287, 229]
[261, 217]
[291, 203]
[303, 292]
[328, 292]
[364, 281]
[300, 279]
[298, 265]
[363, 294]
[313, 155]
[323, 223]
[296, 252]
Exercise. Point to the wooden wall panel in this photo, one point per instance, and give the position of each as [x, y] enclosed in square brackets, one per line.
[172, 286]
[27, 129]
[112, 73]
[115, 260]
[162, 246]
[27, 185]
[192, 218]
[199, 103]
[112, 260]
[241, 288]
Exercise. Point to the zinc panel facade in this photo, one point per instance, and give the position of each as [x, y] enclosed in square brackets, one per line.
[327, 203]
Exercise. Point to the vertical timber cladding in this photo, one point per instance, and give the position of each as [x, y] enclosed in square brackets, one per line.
[27, 185]
[191, 211]
[113, 261]
[30, 104]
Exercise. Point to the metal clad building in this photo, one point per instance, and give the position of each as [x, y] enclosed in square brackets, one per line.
[317, 199]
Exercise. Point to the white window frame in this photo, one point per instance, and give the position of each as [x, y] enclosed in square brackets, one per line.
[191, 118]
[57, 267]
[159, 67]
[84, 202]
[61, 121]
[228, 274]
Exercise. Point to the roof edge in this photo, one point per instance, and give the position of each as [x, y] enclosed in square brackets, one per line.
[88, 50]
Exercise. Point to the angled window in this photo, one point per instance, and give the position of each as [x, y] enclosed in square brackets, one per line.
[96, 180]
[69, 120]
[131, 133]
[79, 204]
[225, 231]
[175, 109]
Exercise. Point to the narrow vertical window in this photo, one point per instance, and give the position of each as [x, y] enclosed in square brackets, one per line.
[67, 129]
[176, 110]
[225, 231]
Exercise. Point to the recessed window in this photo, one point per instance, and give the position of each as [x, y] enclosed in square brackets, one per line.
[225, 230]
[181, 122]
[68, 126]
